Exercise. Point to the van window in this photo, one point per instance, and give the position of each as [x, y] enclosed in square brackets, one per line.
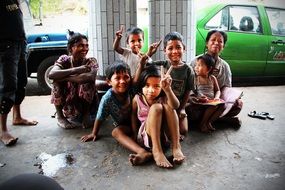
[236, 18]
[277, 21]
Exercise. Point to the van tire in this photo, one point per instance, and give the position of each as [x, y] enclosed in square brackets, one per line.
[42, 74]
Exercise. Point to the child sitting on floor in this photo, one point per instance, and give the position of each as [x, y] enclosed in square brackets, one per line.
[207, 88]
[157, 115]
[117, 103]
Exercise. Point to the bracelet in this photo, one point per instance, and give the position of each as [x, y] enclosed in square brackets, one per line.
[149, 59]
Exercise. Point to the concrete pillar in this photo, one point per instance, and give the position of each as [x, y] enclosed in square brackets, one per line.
[105, 18]
[172, 15]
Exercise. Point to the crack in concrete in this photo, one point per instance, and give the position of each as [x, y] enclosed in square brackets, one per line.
[234, 144]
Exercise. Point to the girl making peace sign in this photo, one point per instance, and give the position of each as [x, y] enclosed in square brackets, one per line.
[154, 108]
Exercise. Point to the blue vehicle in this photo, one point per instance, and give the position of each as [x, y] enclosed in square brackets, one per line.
[43, 50]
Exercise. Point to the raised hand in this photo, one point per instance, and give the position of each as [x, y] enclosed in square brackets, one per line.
[119, 33]
[166, 79]
[143, 60]
[153, 48]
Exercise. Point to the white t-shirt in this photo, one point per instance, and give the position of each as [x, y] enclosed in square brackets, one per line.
[131, 59]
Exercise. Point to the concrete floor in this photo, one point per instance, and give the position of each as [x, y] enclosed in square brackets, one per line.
[252, 157]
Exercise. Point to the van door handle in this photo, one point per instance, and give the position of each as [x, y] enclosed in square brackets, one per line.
[278, 42]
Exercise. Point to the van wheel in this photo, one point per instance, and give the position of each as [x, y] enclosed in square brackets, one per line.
[42, 74]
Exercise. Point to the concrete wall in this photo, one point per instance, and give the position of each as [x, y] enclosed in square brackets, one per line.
[106, 17]
[172, 15]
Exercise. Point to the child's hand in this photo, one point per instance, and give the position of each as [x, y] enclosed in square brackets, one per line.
[119, 33]
[166, 79]
[143, 60]
[89, 137]
[153, 48]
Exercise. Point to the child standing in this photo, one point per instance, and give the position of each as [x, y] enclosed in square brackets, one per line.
[117, 103]
[135, 40]
[182, 75]
[151, 109]
[207, 88]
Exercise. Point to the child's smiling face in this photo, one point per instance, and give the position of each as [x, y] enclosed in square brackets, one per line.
[120, 82]
[135, 41]
[174, 51]
[201, 68]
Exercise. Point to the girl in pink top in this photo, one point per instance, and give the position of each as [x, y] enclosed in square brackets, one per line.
[156, 115]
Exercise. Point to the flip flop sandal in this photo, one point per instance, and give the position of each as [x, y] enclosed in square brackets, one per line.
[255, 114]
[268, 116]
[271, 117]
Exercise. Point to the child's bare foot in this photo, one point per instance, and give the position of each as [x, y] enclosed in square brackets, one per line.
[64, 123]
[8, 139]
[210, 127]
[140, 158]
[204, 129]
[178, 156]
[161, 160]
[22, 121]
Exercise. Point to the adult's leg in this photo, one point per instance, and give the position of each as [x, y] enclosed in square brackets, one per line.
[5, 136]
[153, 129]
[58, 101]
[19, 120]
[9, 57]
[61, 119]
[235, 110]
[173, 131]
[141, 156]
[21, 89]
[87, 94]
[86, 122]
[231, 117]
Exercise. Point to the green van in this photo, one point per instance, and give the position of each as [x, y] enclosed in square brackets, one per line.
[256, 39]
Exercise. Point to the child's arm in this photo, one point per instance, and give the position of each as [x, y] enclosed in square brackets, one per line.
[116, 44]
[184, 100]
[134, 117]
[166, 80]
[140, 67]
[92, 136]
[217, 91]
[102, 113]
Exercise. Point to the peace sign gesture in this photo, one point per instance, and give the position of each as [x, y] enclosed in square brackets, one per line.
[166, 79]
[153, 48]
[119, 33]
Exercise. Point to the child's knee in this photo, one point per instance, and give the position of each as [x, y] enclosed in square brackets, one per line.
[156, 108]
[116, 132]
